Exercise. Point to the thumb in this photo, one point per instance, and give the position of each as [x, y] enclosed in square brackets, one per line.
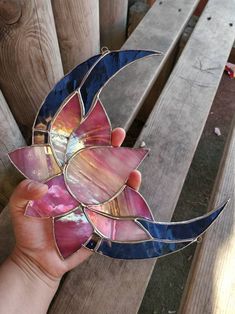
[77, 258]
[27, 190]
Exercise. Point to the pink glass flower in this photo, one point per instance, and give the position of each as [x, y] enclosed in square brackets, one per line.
[88, 199]
[86, 178]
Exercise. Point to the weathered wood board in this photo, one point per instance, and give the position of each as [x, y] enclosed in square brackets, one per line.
[30, 62]
[136, 13]
[101, 285]
[124, 95]
[211, 284]
[77, 25]
[11, 138]
[113, 23]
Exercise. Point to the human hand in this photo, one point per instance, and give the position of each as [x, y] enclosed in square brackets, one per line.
[34, 236]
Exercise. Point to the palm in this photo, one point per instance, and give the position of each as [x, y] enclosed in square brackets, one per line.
[34, 237]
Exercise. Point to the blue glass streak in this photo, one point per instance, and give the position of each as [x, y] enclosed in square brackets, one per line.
[190, 229]
[142, 250]
[62, 89]
[105, 69]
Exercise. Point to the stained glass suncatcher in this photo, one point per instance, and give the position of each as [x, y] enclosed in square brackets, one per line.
[88, 199]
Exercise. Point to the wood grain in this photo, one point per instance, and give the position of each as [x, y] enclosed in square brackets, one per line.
[113, 23]
[30, 62]
[11, 138]
[77, 25]
[211, 285]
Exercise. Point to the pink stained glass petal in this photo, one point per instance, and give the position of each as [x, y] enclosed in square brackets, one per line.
[30, 211]
[128, 203]
[67, 120]
[56, 202]
[35, 162]
[115, 229]
[95, 175]
[71, 231]
[59, 144]
[95, 130]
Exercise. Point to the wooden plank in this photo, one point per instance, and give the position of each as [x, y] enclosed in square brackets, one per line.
[136, 13]
[210, 288]
[113, 23]
[30, 58]
[158, 86]
[175, 125]
[11, 138]
[124, 100]
[77, 25]
[101, 285]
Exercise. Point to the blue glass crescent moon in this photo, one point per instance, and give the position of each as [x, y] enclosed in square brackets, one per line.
[141, 250]
[167, 238]
[69, 83]
[105, 68]
[181, 231]
[90, 76]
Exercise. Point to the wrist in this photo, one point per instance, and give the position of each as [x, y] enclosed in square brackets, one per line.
[32, 271]
[23, 281]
